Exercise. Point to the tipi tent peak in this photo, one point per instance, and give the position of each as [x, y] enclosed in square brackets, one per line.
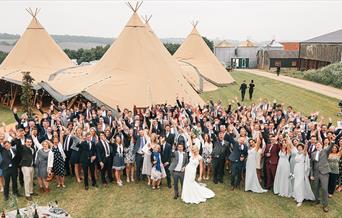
[35, 52]
[196, 52]
[136, 70]
[135, 7]
[146, 18]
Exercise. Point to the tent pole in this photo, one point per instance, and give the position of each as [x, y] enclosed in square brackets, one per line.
[14, 97]
[71, 102]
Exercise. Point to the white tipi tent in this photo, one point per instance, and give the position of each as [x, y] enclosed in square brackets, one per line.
[134, 71]
[195, 52]
[190, 73]
[35, 52]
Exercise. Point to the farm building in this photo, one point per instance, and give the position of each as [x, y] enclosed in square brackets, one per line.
[290, 46]
[268, 59]
[321, 51]
[242, 56]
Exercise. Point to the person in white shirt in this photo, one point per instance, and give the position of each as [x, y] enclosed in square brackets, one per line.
[179, 161]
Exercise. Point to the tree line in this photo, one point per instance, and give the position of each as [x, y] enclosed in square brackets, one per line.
[87, 55]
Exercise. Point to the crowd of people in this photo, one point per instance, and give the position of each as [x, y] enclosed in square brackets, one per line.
[265, 146]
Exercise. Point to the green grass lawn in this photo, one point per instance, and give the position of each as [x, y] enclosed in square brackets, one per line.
[301, 99]
[138, 200]
[6, 115]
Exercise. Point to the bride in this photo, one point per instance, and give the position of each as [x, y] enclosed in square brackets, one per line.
[194, 192]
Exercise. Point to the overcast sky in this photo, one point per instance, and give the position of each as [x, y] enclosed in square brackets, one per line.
[255, 20]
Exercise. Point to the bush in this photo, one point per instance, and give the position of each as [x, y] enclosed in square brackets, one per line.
[330, 75]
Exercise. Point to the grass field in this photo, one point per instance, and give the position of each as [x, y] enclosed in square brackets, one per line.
[301, 99]
[6, 115]
[138, 200]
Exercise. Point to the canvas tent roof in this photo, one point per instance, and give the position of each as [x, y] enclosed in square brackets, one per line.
[35, 52]
[189, 72]
[194, 78]
[134, 71]
[196, 52]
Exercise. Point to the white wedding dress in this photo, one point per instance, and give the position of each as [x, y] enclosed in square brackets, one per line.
[193, 192]
[251, 181]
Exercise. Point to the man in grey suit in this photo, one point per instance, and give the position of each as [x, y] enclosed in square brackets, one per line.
[177, 167]
[320, 173]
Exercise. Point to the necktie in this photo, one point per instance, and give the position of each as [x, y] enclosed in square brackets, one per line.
[66, 144]
[106, 148]
[141, 142]
[317, 155]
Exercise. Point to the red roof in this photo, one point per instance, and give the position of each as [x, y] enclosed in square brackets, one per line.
[290, 46]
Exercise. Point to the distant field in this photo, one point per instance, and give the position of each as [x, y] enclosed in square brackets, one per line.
[302, 100]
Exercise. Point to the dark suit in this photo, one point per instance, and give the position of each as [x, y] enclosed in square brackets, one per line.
[219, 154]
[170, 138]
[166, 157]
[10, 172]
[88, 150]
[66, 147]
[271, 155]
[16, 143]
[107, 161]
[237, 164]
[139, 156]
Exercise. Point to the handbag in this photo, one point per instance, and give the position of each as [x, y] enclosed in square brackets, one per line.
[50, 177]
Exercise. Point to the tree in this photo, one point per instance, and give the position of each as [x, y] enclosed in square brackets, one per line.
[171, 47]
[2, 56]
[26, 97]
[209, 43]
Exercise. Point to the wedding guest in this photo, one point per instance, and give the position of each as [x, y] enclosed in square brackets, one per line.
[8, 165]
[271, 155]
[251, 181]
[27, 154]
[282, 180]
[75, 154]
[44, 164]
[87, 152]
[129, 156]
[147, 164]
[104, 155]
[158, 171]
[166, 154]
[218, 158]
[139, 154]
[206, 154]
[67, 143]
[118, 160]
[334, 160]
[58, 162]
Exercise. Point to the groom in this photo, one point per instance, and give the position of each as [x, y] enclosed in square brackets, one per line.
[180, 159]
[320, 173]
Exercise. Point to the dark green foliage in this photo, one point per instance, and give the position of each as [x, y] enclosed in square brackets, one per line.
[171, 47]
[87, 55]
[209, 43]
[3, 55]
[26, 97]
